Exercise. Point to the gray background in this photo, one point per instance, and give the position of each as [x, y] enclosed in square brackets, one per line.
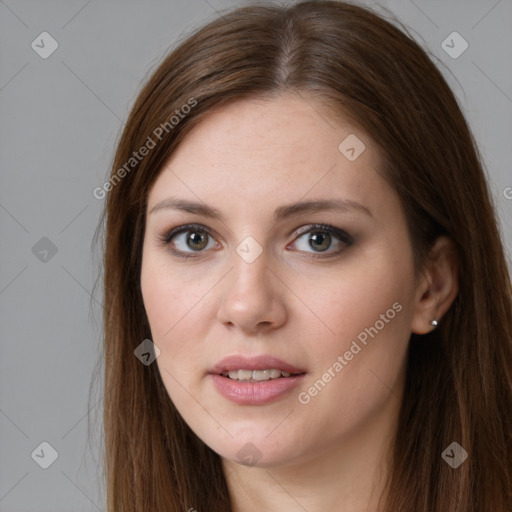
[59, 120]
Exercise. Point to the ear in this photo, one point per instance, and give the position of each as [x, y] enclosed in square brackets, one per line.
[437, 286]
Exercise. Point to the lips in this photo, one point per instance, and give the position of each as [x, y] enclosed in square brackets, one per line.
[255, 380]
[238, 362]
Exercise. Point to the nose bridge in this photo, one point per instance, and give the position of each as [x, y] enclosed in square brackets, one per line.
[250, 272]
[250, 296]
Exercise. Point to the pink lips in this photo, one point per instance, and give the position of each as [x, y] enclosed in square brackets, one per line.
[237, 362]
[254, 393]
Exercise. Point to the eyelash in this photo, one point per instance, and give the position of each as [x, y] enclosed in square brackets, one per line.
[340, 234]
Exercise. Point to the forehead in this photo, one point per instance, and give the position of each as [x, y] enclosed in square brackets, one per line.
[255, 153]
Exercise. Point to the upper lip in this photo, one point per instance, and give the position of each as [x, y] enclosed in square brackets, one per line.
[263, 362]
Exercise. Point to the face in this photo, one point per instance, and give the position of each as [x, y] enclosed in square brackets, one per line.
[281, 300]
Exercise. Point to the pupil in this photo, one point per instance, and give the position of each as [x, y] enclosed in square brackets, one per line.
[320, 237]
[197, 238]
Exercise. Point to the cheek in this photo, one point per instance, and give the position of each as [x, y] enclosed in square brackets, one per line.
[171, 302]
[166, 305]
[355, 296]
[175, 303]
[366, 313]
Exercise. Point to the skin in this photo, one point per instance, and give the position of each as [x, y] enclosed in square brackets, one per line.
[247, 159]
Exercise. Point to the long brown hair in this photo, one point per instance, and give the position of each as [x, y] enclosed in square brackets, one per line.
[459, 377]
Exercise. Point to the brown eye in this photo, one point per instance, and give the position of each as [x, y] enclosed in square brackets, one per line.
[184, 241]
[319, 238]
[320, 241]
[197, 240]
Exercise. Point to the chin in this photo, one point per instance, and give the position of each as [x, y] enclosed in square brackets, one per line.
[257, 451]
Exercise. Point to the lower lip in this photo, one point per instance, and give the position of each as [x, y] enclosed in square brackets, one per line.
[255, 393]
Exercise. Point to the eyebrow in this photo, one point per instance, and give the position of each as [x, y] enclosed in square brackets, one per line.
[281, 213]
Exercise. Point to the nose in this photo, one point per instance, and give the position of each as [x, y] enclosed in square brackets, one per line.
[253, 297]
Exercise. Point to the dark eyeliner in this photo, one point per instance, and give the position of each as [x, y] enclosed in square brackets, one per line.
[340, 234]
[166, 238]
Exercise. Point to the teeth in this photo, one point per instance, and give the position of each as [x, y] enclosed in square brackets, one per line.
[262, 375]
[244, 374]
[256, 375]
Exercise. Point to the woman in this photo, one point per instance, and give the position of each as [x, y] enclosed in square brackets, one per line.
[307, 302]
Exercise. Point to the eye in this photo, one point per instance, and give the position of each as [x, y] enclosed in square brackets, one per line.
[321, 238]
[188, 240]
[191, 240]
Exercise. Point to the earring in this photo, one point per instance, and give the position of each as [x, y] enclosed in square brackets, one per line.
[433, 323]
